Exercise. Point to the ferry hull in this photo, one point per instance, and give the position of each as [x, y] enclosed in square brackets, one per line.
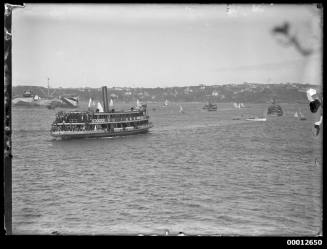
[98, 134]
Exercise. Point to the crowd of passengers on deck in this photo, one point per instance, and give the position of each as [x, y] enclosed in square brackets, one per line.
[68, 128]
[63, 117]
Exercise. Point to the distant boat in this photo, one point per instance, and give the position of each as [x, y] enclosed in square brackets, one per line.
[259, 119]
[256, 119]
[181, 109]
[299, 115]
[70, 100]
[236, 105]
[165, 104]
[49, 101]
[28, 99]
[63, 102]
[303, 118]
[27, 94]
[138, 104]
[210, 107]
[213, 107]
[91, 105]
[274, 109]
[111, 104]
[32, 100]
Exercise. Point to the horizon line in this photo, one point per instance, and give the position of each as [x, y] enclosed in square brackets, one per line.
[198, 85]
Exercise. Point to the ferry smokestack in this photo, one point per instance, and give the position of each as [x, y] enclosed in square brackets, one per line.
[105, 99]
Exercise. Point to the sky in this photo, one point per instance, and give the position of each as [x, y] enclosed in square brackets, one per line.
[160, 45]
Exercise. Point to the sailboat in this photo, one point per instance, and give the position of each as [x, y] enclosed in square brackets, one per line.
[138, 104]
[236, 105]
[181, 109]
[99, 107]
[90, 104]
[299, 115]
[165, 104]
[111, 104]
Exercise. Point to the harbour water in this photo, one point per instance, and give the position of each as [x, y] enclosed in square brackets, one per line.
[196, 172]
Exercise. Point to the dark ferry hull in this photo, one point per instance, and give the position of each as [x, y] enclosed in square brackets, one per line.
[98, 134]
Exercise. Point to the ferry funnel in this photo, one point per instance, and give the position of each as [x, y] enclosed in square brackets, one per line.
[105, 99]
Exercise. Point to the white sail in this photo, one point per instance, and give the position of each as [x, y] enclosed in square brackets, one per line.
[90, 103]
[36, 97]
[180, 108]
[111, 104]
[296, 115]
[237, 105]
[166, 102]
[138, 104]
[100, 107]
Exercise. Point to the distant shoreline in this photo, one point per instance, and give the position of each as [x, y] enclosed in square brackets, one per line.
[241, 93]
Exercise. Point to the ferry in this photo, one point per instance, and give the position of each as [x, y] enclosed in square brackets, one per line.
[101, 122]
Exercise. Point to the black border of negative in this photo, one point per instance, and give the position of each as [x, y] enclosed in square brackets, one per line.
[7, 172]
[6, 188]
